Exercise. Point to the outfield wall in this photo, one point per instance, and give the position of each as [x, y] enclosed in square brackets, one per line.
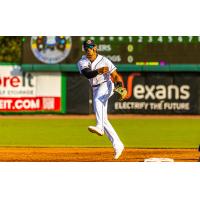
[159, 93]
[148, 93]
[67, 92]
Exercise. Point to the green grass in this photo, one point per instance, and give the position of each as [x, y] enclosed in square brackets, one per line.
[141, 133]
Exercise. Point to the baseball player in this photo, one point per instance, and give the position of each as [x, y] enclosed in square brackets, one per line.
[99, 70]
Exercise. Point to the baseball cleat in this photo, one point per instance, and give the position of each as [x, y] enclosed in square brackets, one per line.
[96, 130]
[118, 152]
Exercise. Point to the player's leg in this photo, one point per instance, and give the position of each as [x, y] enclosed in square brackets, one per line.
[98, 110]
[108, 128]
[100, 98]
[112, 135]
[100, 103]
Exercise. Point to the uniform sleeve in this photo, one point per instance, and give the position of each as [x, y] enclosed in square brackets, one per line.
[111, 66]
[82, 64]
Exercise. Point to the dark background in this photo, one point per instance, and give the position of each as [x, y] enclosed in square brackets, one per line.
[79, 93]
[169, 49]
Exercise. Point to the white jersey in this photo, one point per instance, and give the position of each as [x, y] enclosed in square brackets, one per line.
[99, 62]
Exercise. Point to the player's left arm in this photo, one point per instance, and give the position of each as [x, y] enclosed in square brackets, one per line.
[121, 91]
[116, 79]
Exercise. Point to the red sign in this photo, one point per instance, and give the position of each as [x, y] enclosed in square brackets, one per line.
[30, 104]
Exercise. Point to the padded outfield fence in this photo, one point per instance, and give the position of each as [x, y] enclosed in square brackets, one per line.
[152, 91]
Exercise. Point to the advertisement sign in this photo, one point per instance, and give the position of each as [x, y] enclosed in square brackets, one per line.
[158, 93]
[25, 91]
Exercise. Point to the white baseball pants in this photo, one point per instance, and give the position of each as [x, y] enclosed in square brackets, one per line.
[101, 94]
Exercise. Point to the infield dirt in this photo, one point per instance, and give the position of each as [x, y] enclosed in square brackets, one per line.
[12, 154]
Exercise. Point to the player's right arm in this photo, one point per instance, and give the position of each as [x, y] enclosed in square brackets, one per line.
[88, 73]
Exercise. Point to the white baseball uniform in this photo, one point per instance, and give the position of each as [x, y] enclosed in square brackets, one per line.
[102, 87]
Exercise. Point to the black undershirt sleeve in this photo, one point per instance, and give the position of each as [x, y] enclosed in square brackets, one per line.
[88, 73]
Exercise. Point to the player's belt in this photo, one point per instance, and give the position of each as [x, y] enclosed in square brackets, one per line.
[98, 84]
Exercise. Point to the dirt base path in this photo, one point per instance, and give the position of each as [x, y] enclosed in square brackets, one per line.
[12, 154]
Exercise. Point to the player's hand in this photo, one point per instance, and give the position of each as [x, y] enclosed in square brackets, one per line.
[103, 70]
[121, 92]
